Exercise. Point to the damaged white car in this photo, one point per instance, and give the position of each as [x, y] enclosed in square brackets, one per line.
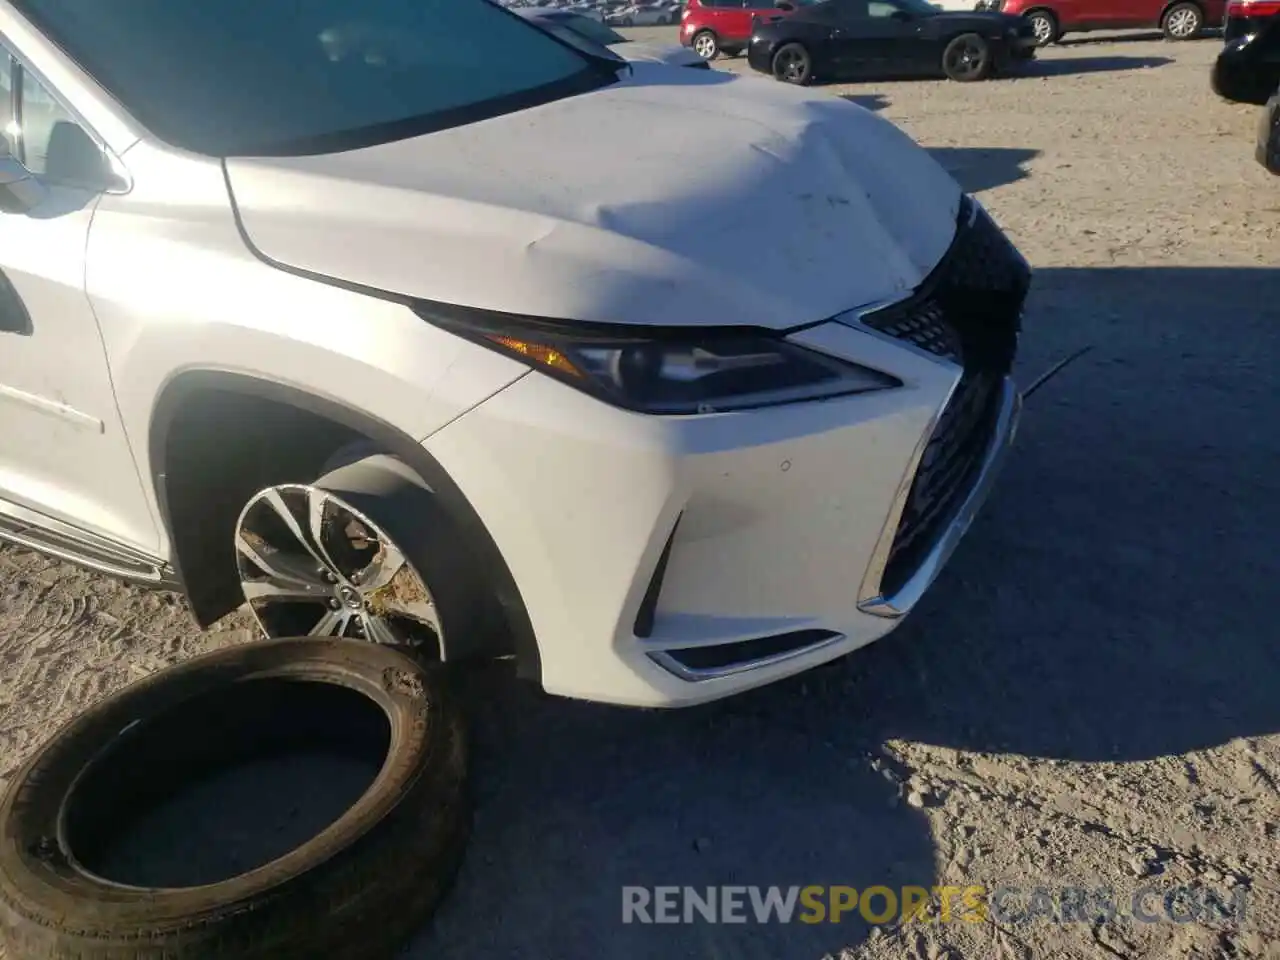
[664, 383]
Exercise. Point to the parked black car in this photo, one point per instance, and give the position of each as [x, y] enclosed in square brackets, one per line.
[886, 39]
[1248, 68]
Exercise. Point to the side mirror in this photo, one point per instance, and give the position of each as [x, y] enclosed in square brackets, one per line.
[20, 192]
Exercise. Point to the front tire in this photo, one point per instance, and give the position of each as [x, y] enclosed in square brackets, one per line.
[793, 64]
[706, 45]
[967, 58]
[1045, 27]
[1182, 21]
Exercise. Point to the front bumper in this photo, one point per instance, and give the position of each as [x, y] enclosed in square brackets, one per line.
[669, 561]
[1241, 74]
[1267, 152]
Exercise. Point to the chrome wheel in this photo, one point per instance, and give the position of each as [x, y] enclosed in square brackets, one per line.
[1042, 28]
[705, 46]
[1183, 23]
[312, 564]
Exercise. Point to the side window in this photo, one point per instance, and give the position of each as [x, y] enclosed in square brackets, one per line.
[761, 5]
[852, 10]
[880, 9]
[40, 116]
[8, 126]
[44, 135]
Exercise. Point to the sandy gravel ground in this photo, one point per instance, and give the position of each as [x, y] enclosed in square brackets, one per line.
[1091, 694]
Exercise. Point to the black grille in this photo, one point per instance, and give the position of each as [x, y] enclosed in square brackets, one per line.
[923, 325]
[969, 311]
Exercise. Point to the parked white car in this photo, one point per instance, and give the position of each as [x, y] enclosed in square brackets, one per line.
[324, 314]
[644, 15]
[591, 36]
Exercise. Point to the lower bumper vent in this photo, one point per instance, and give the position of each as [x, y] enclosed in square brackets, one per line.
[724, 659]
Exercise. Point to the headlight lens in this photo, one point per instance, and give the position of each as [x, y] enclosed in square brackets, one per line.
[684, 373]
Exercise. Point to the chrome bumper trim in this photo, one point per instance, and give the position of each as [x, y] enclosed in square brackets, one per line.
[696, 675]
[896, 605]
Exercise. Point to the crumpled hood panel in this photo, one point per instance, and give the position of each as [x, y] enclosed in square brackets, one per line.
[674, 197]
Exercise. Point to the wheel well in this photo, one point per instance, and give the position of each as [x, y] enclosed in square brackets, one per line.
[1045, 10]
[218, 438]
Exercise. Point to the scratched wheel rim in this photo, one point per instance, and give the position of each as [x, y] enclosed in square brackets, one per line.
[311, 564]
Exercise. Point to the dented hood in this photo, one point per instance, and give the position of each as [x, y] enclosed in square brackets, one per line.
[673, 197]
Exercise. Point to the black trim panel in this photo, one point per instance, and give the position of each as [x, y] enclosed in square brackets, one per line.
[14, 317]
[649, 605]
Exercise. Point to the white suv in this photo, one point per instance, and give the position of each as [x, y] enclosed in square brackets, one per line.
[406, 320]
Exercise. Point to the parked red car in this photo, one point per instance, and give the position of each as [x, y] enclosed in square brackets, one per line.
[1179, 19]
[713, 27]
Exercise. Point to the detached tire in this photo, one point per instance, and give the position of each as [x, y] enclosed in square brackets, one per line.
[355, 890]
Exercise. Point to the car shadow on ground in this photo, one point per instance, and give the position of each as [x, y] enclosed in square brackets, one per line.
[1113, 602]
[1141, 36]
[869, 101]
[984, 168]
[1067, 67]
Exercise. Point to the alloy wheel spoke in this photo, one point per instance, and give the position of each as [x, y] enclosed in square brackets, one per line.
[274, 500]
[316, 500]
[380, 571]
[332, 624]
[419, 611]
[378, 630]
[284, 576]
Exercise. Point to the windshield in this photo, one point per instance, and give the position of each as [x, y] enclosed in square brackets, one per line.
[254, 77]
[591, 29]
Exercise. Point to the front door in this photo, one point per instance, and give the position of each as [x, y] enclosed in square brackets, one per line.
[63, 452]
[872, 41]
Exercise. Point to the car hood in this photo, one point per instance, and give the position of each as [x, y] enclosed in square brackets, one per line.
[672, 197]
[642, 51]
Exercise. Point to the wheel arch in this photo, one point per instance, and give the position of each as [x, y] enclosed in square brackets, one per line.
[309, 429]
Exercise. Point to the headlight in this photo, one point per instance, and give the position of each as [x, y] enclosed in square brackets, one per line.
[682, 372]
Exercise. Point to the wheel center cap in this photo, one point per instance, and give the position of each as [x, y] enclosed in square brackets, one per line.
[350, 597]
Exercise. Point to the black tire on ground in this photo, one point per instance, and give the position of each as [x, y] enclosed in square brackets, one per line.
[967, 58]
[793, 64]
[354, 891]
[1045, 25]
[705, 44]
[1182, 21]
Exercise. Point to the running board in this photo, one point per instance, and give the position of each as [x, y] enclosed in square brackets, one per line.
[35, 531]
